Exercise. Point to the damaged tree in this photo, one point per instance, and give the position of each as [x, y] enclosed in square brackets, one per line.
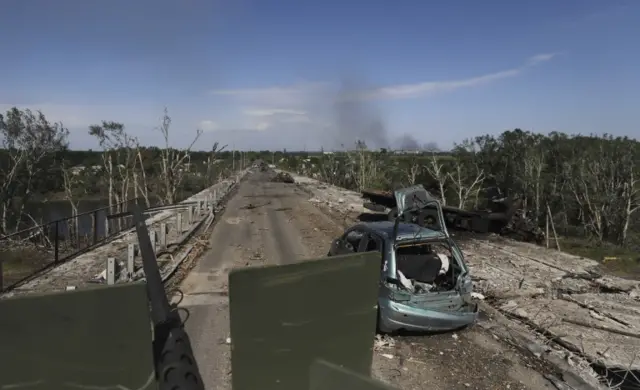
[119, 157]
[74, 190]
[30, 144]
[604, 186]
[435, 169]
[175, 163]
[465, 175]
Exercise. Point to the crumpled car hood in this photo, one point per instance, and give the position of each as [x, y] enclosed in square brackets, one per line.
[412, 197]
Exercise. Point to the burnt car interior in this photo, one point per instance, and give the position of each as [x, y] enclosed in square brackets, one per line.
[429, 267]
[425, 266]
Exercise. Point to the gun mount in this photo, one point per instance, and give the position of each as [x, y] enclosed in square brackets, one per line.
[175, 364]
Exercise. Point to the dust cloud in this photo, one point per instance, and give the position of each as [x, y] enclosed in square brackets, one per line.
[408, 142]
[360, 119]
[357, 119]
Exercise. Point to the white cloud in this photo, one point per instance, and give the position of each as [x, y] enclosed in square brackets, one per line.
[430, 88]
[297, 96]
[264, 118]
[262, 126]
[535, 60]
[273, 111]
[208, 126]
[291, 97]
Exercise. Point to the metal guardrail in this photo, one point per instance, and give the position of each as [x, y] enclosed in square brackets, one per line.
[27, 253]
[31, 251]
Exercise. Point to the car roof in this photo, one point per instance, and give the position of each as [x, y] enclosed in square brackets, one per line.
[405, 230]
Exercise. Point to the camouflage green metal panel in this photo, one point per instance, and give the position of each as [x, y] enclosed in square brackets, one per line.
[285, 317]
[328, 376]
[93, 338]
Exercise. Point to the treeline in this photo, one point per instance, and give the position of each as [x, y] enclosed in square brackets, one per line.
[590, 184]
[36, 164]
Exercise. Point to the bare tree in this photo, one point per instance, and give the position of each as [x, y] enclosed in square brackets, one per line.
[74, 190]
[175, 163]
[631, 198]
[466, 180]
[435, 169]
[215, 171]
[366, 169]
[414, 170]
[601, 184]
[119, 156]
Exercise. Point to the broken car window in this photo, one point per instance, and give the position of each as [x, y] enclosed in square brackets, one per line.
[373, 244]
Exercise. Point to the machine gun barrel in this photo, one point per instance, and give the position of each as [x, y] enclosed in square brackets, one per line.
[175, 363]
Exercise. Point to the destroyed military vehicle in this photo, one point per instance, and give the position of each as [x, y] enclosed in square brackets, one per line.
[425, 284]
[503, 215]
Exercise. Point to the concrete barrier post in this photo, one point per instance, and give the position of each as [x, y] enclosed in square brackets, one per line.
[179, 222]
[152, 237]
[215, 196]
[111, 271]
[199, 207]
[106, 227]
[131, 253]
[190, 214]
[163, 236]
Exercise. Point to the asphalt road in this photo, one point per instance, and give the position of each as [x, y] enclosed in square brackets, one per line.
[257, 227]
[274, 223]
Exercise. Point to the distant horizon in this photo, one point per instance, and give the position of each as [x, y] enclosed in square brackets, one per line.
[338, 150]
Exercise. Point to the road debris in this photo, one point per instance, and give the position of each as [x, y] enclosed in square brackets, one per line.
[563, 298]
[383, 341]
[283, 177]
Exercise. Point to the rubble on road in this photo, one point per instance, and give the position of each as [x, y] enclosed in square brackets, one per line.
[283, 177]
[383, 341]
[564, 298]
[336, 198]
[561, 296]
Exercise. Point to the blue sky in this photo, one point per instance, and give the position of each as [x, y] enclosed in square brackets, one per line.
[274, 74]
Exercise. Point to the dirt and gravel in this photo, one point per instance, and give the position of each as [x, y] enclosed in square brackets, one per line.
[270, 222]
[562, 308]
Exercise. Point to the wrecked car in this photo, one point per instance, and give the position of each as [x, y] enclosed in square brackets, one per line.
[425, 284]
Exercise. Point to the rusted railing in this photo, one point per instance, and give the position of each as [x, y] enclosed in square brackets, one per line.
[30, 251]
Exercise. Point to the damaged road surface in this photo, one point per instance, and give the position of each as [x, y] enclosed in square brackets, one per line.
[242, 237]
[594, 318]
[286, 225]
